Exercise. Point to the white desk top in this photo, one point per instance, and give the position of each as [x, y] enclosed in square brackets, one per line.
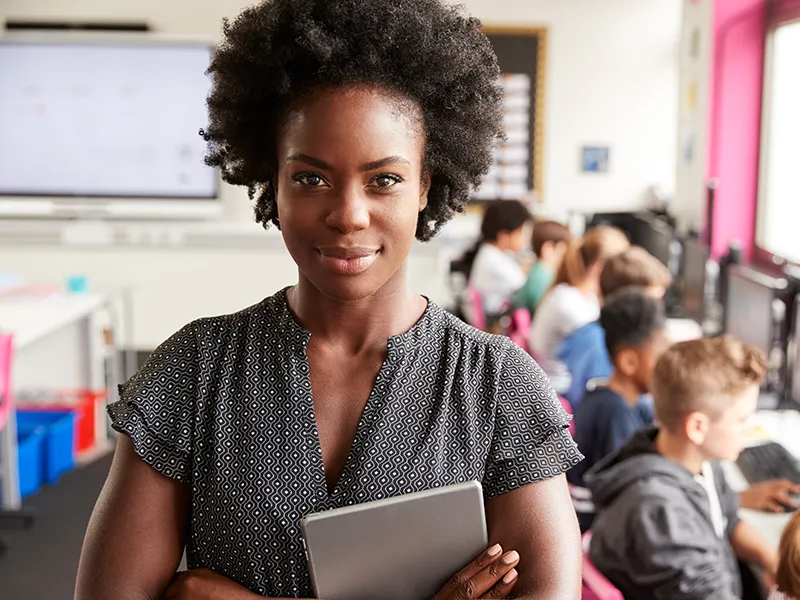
[778, 426]
[33, 317]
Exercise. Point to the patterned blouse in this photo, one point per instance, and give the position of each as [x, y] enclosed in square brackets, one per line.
[225, 406]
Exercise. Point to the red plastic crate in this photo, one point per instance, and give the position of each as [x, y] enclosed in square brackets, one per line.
[82, 402]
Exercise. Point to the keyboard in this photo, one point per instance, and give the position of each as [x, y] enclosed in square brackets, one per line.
[768, 461]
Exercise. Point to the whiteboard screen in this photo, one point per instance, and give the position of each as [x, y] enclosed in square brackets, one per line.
[99, 119]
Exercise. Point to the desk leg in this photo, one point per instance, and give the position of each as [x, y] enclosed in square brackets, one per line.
[8, 464]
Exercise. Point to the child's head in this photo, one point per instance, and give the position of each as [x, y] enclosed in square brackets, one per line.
[549, 242]
[788, 576]
[586, 256]
[705, 391]
[504, 224]
[634, 266]
[636, 334]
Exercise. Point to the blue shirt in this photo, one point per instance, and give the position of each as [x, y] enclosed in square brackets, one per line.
[585, 355]
[603, 422]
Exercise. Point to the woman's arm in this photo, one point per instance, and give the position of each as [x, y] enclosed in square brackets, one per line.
[137, 532]
[539, 522]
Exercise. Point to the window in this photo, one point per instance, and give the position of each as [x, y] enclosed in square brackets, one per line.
[778, 222]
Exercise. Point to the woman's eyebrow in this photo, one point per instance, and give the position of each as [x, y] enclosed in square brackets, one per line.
[385, 162]
[370, 166]
[309, 160]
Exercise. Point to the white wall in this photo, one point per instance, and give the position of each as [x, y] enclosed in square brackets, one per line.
[695, 63]
[612, 80]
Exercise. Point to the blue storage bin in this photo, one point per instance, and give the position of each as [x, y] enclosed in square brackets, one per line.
[59, 440]
[30, 458]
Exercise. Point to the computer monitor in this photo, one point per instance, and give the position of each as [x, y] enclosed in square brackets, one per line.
[749, 310]
[653, 235]
[693, 279]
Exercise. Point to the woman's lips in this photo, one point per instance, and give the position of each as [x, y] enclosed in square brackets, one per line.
[344, 260]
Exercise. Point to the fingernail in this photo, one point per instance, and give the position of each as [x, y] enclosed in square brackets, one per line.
[511, 557]
[510, 576]
[495, 550]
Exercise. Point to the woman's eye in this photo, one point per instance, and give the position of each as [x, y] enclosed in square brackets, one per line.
[386, 181]
[309, 179]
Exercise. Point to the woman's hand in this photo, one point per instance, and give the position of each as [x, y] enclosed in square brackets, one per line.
[204, 584]
[491, 575]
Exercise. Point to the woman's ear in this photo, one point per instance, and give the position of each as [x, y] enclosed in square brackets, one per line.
[424, 188]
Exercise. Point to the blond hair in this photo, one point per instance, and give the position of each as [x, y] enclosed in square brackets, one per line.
[788, 575]
[633, 267]
[596, 246]
[701, 375]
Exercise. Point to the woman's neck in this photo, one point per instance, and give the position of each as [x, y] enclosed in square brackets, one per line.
[356, 325]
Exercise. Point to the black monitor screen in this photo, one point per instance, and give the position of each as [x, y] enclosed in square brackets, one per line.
[693, 279]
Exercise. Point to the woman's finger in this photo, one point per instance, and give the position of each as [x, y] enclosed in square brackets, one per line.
[460, 582]
[503, 588]
[484, 581]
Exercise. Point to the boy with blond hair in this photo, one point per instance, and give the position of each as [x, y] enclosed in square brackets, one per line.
[667, 525]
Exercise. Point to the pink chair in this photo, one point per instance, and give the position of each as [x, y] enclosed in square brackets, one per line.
[475, 313]
[519, 328]
[5, 378]
[595, 585]
[568, 408]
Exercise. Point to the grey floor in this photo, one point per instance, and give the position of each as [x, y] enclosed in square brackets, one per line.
[41, 562]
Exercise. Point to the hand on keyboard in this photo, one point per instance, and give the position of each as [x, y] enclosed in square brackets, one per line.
[773, 496]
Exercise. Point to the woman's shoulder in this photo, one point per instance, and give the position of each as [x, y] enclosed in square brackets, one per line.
[268, 317]
[465, 341]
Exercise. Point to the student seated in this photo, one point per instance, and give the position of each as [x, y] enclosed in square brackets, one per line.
[635, 335]
[574, 300]
[787, 579]
[495, 273]
[549, 243]
[668, 524]
[584, 351]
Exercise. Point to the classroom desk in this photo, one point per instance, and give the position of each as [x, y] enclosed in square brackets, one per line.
[782, 427]
[58, 343]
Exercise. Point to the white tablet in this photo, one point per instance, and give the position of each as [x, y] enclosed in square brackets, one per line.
[402, 548]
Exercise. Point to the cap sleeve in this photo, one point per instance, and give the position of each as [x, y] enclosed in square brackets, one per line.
[531, 440]
[157, 406]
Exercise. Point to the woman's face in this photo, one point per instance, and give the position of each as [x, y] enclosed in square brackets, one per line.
[350, 188]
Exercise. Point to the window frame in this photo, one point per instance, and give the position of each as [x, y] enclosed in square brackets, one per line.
[782, 15]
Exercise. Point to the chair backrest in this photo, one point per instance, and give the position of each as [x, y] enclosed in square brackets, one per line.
[5, 377]
[568, 408]
[519, 328]
[595, 586]
[475, 313]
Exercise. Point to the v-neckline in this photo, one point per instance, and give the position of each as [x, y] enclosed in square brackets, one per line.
[397, 346]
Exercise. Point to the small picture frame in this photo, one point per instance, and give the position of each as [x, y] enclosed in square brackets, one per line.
[594, 159]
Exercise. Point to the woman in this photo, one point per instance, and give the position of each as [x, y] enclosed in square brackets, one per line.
[574, 300]
[356, 125]
[496, 275]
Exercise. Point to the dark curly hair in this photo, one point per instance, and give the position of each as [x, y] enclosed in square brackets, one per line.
[278, 52]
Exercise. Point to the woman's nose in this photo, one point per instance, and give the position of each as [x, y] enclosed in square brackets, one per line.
[349, 213]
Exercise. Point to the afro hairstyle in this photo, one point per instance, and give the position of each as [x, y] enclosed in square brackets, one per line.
[278, 52]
